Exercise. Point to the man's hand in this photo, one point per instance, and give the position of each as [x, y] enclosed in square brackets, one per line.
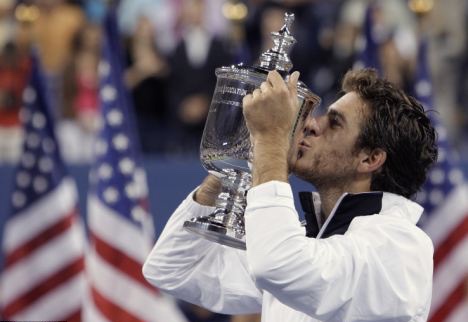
[208, 191]
[271, 109]
[269, 113]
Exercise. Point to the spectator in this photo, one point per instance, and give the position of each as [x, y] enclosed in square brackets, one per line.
[192, 79]
[14, 69]
[14, 73]
[80, 100]
[6, 22]
[55, 42]
[53, 31]
[147, 77]
[81, 97]
[448, 45]
[162, 15]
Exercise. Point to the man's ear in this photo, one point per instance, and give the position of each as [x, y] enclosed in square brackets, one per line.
[371, 160]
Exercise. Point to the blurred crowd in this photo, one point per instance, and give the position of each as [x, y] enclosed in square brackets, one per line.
[172, 48]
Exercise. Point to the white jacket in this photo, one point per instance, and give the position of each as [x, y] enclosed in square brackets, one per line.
[380, 269]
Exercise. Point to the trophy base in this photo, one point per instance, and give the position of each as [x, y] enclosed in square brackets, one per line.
[215, 232]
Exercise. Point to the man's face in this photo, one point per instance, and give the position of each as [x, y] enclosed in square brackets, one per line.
[325, 154]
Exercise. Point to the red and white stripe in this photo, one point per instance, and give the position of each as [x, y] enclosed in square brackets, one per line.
[43, 277]
[448, 229]
[117, 289]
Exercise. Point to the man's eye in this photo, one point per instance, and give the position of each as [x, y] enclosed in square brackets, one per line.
[333, 120]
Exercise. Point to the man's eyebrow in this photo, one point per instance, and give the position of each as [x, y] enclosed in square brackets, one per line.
[335, 113]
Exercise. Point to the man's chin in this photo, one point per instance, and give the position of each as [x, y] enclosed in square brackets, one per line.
[292, 161]
[294, 165]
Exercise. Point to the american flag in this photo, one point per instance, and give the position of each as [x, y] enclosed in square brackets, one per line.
[445, 200]
[120, 226]
[444, 197]
[43, 241]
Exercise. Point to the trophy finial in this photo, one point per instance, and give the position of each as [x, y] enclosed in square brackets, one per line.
[288, 20]
[278, 56]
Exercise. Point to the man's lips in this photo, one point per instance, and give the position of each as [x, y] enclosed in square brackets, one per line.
[303, 144]
[302, 147]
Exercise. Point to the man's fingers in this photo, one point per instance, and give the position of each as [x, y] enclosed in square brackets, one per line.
[247, 100]
[276, 82]
[256, 93]
[292, 83]
[275, 79]
[265, 87]
[294, 78]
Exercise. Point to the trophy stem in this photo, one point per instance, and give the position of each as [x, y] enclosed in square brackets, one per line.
[226, 224]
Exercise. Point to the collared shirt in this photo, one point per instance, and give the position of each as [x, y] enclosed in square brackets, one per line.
[346, 209]
[377, 268]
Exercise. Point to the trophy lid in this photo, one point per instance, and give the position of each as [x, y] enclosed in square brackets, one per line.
[278, 56]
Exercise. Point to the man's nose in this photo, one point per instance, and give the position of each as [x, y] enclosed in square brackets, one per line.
[312, 127]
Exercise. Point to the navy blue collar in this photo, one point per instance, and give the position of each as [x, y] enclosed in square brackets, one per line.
[350, 206]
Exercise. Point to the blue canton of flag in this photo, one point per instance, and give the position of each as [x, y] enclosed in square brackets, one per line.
[41, 168]
[43, 244]
[121, 229]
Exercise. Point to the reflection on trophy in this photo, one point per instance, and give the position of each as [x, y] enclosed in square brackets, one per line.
[226, 149]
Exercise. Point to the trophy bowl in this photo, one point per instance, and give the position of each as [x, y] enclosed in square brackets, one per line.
[226, 149]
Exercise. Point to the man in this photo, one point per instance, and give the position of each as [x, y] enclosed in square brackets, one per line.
[363, 258]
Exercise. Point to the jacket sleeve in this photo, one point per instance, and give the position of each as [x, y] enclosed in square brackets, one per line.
[375, 272]
[199, 271]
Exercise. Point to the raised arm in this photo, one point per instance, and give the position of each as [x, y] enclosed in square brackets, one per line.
[199, 271]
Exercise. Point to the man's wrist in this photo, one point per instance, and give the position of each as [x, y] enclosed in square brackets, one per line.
[208, 191]
[270, 160]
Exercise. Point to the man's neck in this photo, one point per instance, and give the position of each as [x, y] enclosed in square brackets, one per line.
[328, 199]
[329, 196]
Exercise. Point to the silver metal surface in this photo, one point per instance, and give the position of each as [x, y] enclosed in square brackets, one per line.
[216, 232]
[278, 56]
[226, 150]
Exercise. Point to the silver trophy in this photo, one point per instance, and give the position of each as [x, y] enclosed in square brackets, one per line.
[226, 149]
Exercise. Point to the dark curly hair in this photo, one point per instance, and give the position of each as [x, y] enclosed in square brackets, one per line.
[397, 124]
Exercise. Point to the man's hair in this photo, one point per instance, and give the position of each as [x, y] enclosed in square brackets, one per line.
[397, 124]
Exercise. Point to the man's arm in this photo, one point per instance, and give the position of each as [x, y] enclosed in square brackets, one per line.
[208, 191]
[270, 112]
[197, 270]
